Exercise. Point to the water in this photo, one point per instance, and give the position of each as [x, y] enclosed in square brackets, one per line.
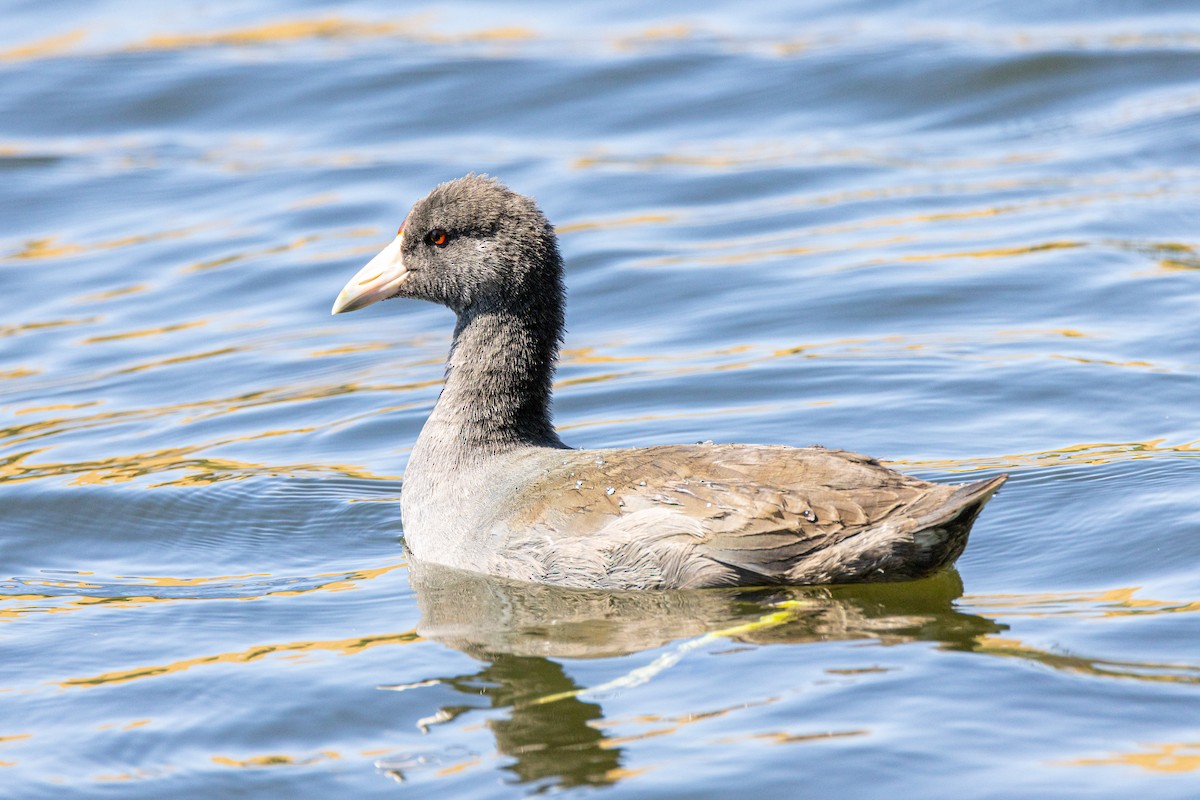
[960, 237]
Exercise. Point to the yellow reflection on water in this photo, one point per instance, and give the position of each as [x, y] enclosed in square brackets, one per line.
[1109, 362]
[845, 348]
[113, 337]
[1023, 38]
[49, 46]
[343, 647]
[200, 470]
[1147, 671]
[742, 154]
[9, 739]
[996, 252]
[461, 766]
[745, 249]
[206, 470]
[1171, 256]
[732, 410]
[18, 467]
[1095, 453]
[1025, 206]
[653, 35]
[1070, 333]
[135, 775]
[98, 297]
[222, 261]
[314, 201]
[276, 760]
[616, 222]
[27, 327]
[353, 348]
[51, 248]
[163, 362]
[1165, 757]
[330, 28]
[298, 243]
[856, 348]
[589, 355]
[128, 726]
[426, 28]
[1117, 602]
[659, 160]
[202, 581]
[343, 582]
[665, 726]
[16, 606]
[782, 737]
[740, 251]
[272, 33]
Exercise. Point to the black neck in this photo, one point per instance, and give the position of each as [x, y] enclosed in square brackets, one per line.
[498, 383]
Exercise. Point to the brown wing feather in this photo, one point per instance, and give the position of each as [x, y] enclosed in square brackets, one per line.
[764, 512]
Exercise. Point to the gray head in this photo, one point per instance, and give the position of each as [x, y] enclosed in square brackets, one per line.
[472, 245]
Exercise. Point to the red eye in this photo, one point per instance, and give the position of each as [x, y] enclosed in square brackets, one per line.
[437, 237]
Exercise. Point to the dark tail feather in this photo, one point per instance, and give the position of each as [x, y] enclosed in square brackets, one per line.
[940, 536]
[919, 543]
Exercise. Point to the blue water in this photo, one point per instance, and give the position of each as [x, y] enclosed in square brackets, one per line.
[962, 237]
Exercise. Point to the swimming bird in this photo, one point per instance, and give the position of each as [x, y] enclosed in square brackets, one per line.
[491, 488]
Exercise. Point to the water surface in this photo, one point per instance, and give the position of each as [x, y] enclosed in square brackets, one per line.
[960, 237]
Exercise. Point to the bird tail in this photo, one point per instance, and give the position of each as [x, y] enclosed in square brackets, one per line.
[942, 532]
[928, 536]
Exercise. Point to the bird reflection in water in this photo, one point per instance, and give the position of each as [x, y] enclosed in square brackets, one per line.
[551, 728]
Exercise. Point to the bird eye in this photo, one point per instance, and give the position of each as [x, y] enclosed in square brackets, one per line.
[437, 237]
